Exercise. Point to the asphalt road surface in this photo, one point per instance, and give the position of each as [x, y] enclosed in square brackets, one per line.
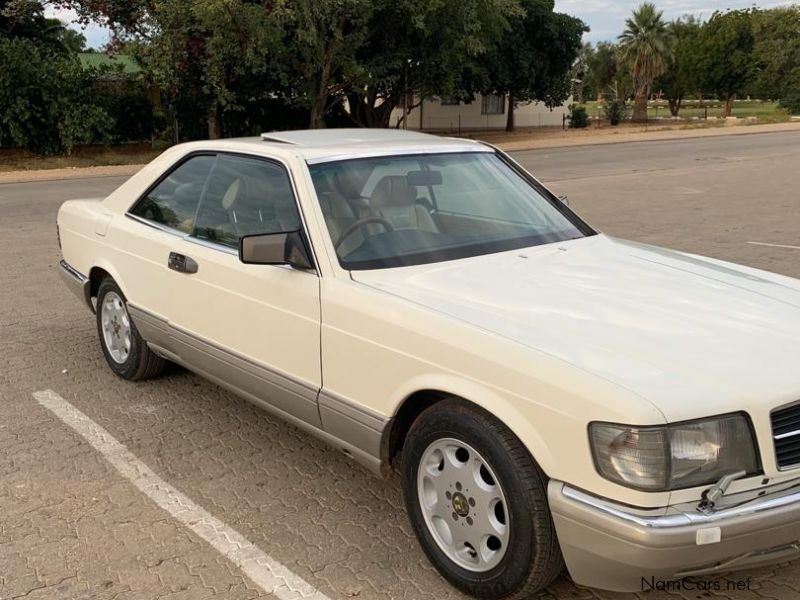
[208, 466]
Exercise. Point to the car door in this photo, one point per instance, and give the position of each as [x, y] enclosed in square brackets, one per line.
[142, 241]
[255, 328]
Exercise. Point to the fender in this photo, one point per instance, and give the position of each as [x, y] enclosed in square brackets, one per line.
[501, 406]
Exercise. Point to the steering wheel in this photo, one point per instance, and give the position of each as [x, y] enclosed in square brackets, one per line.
[360, 224]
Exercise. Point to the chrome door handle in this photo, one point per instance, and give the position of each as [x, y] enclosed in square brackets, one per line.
[182, 263]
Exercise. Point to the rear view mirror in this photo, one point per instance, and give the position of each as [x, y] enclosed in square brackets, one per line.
[424, 178]
[287, 248]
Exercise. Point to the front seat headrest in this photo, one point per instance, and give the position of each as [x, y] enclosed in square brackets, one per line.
[394, 190]
[235, 191]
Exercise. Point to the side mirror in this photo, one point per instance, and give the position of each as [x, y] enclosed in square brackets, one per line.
[287, 248]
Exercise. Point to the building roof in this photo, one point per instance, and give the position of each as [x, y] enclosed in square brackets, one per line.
[98, 59]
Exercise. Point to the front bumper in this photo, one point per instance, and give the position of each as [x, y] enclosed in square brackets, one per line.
[616, 547]
[77, 282]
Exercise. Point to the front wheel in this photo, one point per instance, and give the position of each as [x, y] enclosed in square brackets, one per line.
[478, 503]
[126, 352]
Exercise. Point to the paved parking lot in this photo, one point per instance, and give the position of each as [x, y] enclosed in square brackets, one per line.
[71, 526]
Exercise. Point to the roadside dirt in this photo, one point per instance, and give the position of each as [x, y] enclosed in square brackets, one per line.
[524, 139]
[555, 137]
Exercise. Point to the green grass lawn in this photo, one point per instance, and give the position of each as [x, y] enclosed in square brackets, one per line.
[765, 111]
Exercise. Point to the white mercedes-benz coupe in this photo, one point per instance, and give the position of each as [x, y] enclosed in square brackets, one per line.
[548, 395]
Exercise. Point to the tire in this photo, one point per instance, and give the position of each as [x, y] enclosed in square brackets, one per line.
[133, 361]
[446, 445]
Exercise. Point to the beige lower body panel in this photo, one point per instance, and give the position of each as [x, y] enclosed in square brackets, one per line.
[353, 430]
[612, 552]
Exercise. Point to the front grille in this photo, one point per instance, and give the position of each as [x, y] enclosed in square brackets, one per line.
[786, 434]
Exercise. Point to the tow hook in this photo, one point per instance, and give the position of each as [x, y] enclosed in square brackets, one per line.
[712, 495]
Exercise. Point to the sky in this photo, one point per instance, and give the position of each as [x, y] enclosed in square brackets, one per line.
[606, 18]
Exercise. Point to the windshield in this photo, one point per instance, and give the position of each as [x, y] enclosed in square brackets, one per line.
[409, 210]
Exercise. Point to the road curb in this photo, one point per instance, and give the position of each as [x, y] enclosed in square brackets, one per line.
[33, 175]
[656, 136]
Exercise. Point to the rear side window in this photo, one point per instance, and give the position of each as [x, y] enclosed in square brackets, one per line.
[174, 201]
[245, 196]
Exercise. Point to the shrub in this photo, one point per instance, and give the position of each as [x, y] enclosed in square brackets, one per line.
[615, 111]
[791, 102]
[578, 117]
[46, 100]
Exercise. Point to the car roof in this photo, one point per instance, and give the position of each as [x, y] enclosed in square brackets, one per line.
[323, 145]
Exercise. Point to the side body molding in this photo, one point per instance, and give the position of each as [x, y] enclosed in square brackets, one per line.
[358, 426]
[355, 431]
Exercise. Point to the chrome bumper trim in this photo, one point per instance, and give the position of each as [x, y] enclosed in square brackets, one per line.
[77, 282]
[79, 277]
[731, 506]
[611, 546]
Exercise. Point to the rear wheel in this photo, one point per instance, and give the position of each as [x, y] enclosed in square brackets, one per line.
[478, 503]
[126, 352]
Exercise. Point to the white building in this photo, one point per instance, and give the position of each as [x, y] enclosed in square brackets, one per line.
[485, 112]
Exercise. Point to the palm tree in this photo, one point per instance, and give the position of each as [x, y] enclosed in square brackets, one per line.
[644, 46]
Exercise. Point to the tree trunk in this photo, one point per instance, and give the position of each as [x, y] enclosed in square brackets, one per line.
[320, 100]
[640, 106]
[729, 105]
[510, 119]
[317, 120]
[370, 110]
[214, 128]
[675, 105]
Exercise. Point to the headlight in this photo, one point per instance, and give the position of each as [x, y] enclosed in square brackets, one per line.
[675, 456]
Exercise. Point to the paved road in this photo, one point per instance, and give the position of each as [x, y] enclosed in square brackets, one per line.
[72, 527]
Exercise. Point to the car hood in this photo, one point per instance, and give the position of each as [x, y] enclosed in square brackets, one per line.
[695, 336]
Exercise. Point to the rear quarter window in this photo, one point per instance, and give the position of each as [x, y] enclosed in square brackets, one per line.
[173, 202]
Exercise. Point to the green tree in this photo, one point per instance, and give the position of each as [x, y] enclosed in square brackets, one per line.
[25, 19]
[603, 70]
[534, 59]
[72, 41]
[680, 75]
[206, 55]
[580, 72]
[46, 98]
[46, 102]
[314, 53]
[643, 46]
[776, 55]
[323, 37]
[402, 57]
[725, 55]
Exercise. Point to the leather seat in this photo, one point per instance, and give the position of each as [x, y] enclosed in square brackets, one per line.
[396, 201]
[341, 211]
[338, 213]
[248, 206]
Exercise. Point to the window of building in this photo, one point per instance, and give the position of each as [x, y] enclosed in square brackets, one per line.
[493, 104]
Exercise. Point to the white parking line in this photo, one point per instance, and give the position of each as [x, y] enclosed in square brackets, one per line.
[774, 245]
[270, 575]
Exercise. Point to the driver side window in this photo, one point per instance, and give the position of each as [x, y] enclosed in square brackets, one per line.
[245, 196]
